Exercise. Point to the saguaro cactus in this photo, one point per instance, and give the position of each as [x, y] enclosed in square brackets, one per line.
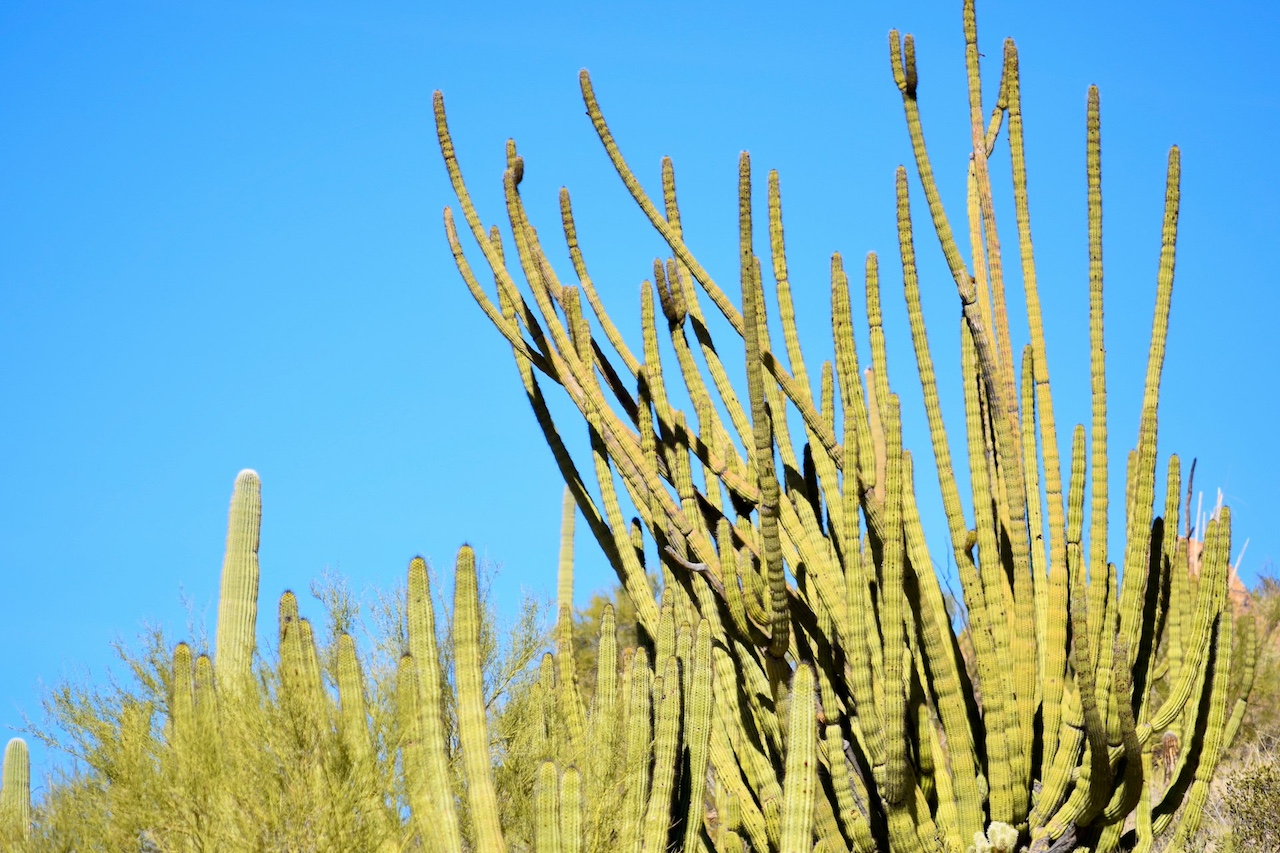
[806, 553]
[421, 702]
[238, 597]
[15, 792]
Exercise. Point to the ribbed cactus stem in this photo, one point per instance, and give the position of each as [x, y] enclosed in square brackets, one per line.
[181, 692]
[564, 581]
[897, 767]
[639, 740]
[238, 597]
[15, 792]
[698, 718]
[353, 727]
[666, 752]
[354, 713]
[571, 811]
[801, 778]
[421, 691]
[472, 728]
[206, 700]
[572, 705]
[762, 421]
[546, 810]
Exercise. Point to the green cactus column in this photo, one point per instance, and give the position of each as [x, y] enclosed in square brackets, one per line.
[472, 728]
[238, 597]
[426, 763]
[15, 795]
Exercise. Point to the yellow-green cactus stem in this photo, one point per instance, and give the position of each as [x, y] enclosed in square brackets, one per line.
[206, 700]
[353, 722]
[546, 809]
[15, 792]
[412, 759]
[666, 753]
[801, 778]
[287, 612]
[420, 686]
[698, 719]
[353, 728]
[238, 597]
[571, 804]
[636, 774]
[762, 422]
[181, 693]
[472, 727]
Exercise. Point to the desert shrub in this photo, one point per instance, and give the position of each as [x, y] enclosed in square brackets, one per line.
[1249, 798]
[270, 773]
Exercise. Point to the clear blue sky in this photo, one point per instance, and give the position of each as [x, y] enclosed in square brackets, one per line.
[221, 247]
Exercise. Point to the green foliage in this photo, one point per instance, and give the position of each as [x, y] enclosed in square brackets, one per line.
[1262, 718]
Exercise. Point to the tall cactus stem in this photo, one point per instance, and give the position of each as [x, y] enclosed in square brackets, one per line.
[15, 792]
[472, 726]
[238, 597]
[801, 777]
[427, 705]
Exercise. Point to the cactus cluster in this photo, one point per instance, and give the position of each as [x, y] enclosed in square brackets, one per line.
[787, 526]
[679, 746]
[801, 686]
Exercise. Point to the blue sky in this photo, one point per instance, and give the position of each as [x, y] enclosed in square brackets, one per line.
[221, 247]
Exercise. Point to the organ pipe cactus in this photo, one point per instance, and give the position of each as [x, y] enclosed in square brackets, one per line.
[787, 525]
